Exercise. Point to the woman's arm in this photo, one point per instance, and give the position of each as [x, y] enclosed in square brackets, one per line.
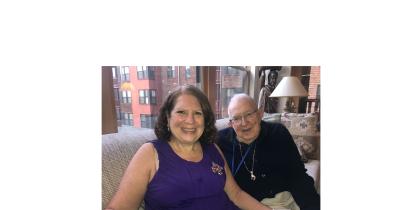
[134, 183]
[241, 199]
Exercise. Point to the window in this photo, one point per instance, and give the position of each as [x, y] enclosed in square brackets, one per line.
[127, 119]
[228, 94]
[228, 70]
[187, 72]
[153, 97]
[142, 111]
[119, 116]
[147, 121]
[126, 97]
[144, 97]
[171, 72]
[117, 96]
[232, 80]
[144, 72]
[147, 96]
[220, 83]
[114, 73]
[197, 74]
[125, 73]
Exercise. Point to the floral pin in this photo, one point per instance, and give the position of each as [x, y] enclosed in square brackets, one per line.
[216, 168]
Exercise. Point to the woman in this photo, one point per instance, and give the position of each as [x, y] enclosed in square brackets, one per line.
[183, 168]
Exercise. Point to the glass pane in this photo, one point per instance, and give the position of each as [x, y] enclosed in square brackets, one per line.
[232, 80]
[149, 92]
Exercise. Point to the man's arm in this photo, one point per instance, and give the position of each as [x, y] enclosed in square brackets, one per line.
[300, 183]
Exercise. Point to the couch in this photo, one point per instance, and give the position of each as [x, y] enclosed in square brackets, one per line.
[305, 130]
[119, 148]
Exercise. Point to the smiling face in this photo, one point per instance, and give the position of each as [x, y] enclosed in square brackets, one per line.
[246, 119]
[186, 120]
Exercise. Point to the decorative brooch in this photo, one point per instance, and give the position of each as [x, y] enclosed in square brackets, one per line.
[216, 168]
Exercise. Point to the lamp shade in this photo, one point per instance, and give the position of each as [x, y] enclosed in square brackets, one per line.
[289, 86]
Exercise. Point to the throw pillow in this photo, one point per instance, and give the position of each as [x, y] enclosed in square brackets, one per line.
[303, 128]
[308, 146]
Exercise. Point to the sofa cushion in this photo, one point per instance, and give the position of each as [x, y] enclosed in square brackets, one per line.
[303, 127]
[301, 123]
[222, 123]
[304, 130]
[117, 151]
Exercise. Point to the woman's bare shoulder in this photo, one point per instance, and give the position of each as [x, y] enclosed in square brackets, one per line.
[145, 155]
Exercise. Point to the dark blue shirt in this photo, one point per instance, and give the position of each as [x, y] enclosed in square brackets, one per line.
[277, 165]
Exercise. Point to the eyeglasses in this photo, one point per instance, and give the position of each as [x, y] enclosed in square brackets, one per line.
[246, 117]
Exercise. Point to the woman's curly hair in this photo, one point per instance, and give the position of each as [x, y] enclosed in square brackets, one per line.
[161, 127]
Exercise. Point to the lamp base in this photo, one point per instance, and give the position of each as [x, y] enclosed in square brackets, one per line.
[290, 106]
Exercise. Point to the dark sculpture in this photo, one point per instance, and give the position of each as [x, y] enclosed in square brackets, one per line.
[269, 105]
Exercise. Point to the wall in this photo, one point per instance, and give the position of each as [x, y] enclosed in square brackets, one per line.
[314, 81]
[109, 118]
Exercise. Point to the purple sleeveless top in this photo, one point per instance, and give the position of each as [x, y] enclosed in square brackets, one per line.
[181, 184]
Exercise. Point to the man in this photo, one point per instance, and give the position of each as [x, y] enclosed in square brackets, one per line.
[263, 156]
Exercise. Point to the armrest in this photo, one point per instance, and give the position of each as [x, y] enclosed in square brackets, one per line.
[313, 170]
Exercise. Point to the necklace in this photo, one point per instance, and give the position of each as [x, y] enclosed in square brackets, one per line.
[253, 177]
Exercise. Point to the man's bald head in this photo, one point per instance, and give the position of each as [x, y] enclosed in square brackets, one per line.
[240, 100]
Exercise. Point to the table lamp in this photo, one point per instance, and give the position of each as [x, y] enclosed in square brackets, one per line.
[289, 87]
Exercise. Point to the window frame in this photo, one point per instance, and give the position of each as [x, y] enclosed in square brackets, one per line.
[127, 119]
[145, 95]
[125, 73]
[205, 79]
[187, 72]
[171, 72]
[149, 120]
[126, 96]
[145, 73]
